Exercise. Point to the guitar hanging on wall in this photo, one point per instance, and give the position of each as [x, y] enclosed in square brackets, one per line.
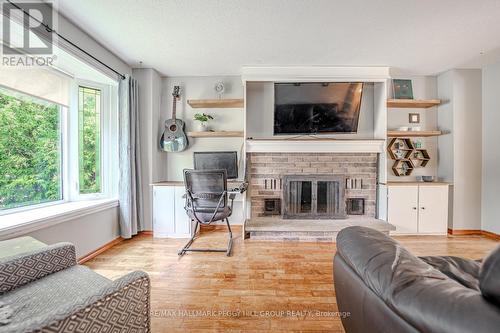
[174, 138]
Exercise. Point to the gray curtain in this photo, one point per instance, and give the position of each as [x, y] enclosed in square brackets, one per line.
[130, 194]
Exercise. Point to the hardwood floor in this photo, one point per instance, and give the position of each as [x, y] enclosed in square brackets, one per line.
[263, 287]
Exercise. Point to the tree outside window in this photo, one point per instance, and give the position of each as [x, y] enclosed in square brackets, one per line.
[30, 151]
[89, 140]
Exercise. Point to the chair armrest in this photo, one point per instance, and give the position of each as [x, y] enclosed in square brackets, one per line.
[24, 268]
[123, 306]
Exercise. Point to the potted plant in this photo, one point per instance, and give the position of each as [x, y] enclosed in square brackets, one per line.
[202, 119]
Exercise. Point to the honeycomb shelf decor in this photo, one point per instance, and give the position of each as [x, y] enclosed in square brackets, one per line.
[406, 156]
[403, 168]
[420, 158]
[400, 148]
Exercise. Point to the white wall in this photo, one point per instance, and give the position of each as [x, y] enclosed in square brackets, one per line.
[78, 36]
[490, 220]
[467, 123]
[87, 233]
[424, 87]
[224, 119]
[260, 112]
[445, 121]
[460, 153]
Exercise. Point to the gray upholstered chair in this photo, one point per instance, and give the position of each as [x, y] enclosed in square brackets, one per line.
[207, 201]
[45, 290]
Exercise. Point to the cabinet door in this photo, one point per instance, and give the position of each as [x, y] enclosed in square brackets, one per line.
[163, 211]
[433, 209]
[182, 221]
[403, 209]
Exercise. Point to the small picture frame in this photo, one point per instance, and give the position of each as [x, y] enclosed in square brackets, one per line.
[402, 89]
[414, 118]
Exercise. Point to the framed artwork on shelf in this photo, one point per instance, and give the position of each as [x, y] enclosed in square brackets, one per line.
[402, 89]
[414, 118]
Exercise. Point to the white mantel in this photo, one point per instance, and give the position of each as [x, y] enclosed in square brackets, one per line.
[314, 146]
[314, 74]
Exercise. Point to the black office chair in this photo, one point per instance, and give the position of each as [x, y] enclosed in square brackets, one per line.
[207, 202]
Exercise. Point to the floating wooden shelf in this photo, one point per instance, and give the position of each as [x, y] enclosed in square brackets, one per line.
[412, 103]
[215, 103]
[412, 134]
[210, 134]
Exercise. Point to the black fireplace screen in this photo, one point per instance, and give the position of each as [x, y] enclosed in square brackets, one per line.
[310, 197]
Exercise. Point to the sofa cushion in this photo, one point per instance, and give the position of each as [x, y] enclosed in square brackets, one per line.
[489, 276]
[45, 298]
[464, 271]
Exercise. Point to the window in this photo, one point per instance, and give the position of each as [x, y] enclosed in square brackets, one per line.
[89, 140]
[51, 153]
[30, 151]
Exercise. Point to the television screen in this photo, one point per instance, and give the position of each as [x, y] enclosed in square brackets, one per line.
[312, 108]
[216, 160]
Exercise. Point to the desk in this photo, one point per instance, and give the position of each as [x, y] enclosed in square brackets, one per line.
[169, 217]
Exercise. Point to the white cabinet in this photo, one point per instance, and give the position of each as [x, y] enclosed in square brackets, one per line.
[418, 209]
[433, 209]
[402, 208]
[169, 217]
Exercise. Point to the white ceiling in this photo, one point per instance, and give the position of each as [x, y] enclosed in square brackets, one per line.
[218, 37]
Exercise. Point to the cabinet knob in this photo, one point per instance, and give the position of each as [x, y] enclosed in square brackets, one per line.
[423, 207]
[415, 208]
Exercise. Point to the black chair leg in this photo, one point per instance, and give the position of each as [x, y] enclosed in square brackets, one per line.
[230, 243]
[187, 248]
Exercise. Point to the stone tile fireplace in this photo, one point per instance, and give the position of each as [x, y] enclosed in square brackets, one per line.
[312, 185]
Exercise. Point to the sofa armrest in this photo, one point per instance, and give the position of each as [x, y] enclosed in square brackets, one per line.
[18, 270]
[123, 306]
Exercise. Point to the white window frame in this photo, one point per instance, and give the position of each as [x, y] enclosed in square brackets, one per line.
[70, 148]
[106, 140]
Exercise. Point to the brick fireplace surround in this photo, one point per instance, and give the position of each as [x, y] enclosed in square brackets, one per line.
[267, 170]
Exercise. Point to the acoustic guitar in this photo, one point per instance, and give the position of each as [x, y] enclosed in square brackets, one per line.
[174, 138]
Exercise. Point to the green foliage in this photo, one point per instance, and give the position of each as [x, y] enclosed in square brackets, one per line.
[30, 159]
[30, 148]
[89, 140]
[203, 117]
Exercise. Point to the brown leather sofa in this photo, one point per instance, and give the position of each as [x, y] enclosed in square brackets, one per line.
[382, 287]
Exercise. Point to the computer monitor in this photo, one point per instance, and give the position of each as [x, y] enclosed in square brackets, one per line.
[214, 160]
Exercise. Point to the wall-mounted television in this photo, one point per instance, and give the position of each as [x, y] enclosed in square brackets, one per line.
[315, 108]
[216, 160]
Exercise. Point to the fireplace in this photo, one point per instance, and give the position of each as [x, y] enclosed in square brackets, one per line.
[323, 185]
[314, 197]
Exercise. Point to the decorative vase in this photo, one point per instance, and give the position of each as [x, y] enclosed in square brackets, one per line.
[202, 127]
